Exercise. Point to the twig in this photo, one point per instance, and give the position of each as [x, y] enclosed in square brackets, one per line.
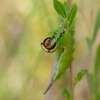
[71, 82]
[69, 3]
[71, 69]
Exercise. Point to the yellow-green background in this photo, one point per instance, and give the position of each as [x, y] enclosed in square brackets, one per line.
[25, 69]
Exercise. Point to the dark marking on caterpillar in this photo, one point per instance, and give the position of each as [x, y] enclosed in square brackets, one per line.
[63, 31]
[60, 35]
[54, 35]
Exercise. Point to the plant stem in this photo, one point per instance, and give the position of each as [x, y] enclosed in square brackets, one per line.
[71, 69]
[71, 82]
[69, 3]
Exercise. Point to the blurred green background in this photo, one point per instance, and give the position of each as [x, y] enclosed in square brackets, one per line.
[25, 69]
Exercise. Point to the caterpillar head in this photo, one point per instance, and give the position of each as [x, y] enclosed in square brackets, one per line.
[47, 46]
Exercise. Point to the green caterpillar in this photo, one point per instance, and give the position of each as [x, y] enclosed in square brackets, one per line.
[61, 42]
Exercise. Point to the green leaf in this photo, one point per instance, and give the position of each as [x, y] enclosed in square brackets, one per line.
[97, 97]
[93, 84]
[72, 13]
[60, 8]
[72, 26]
[97, 61]
[89, 44]
[97, 26]
[79, 76]
[66, 94]
[66, 7]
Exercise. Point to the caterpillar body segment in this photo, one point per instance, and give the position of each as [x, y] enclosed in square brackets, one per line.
[58, 53]
[65, 59]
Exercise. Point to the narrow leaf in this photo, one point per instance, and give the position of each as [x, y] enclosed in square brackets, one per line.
[79, 76]
[97, 60]
[98, 97]
[89, 44]
[60, 8]
[97, 26]
[66, 94]
[66, 7]
[92, 81]
[72, 13]
[72, 26]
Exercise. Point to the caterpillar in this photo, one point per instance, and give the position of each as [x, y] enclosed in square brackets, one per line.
[61, 42]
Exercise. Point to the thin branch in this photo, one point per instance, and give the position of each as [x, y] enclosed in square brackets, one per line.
[71, 69]
[71, 82]
[69, 3]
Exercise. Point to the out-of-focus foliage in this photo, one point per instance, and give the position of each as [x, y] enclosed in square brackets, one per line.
[25, 70]
[96, 27]
[66, 94]
[79, 76]
[97, 61]
[93, 77]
